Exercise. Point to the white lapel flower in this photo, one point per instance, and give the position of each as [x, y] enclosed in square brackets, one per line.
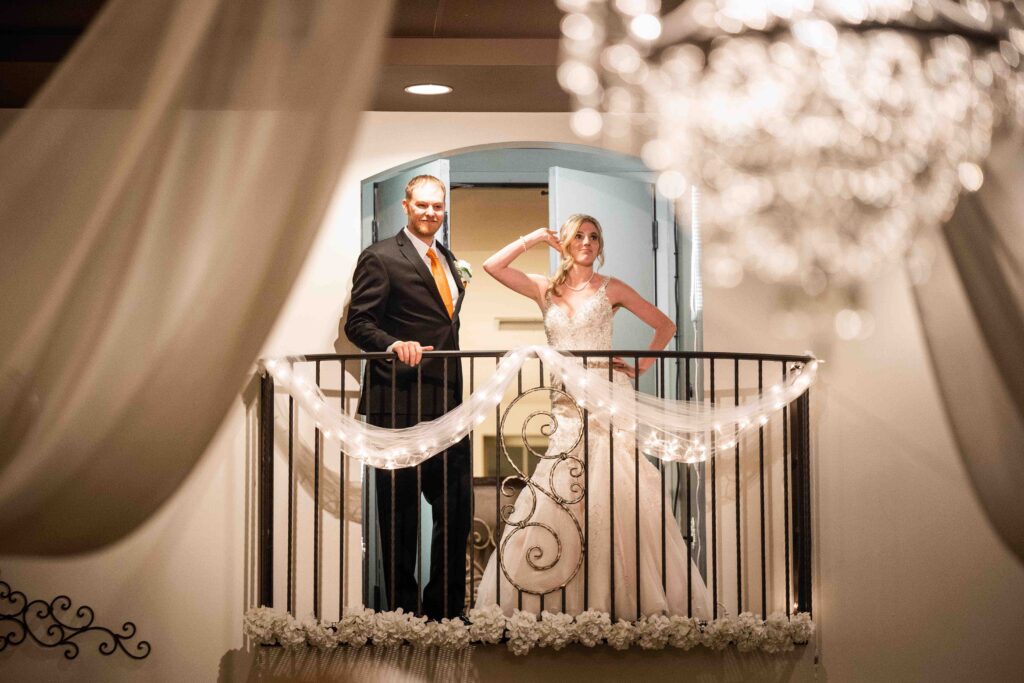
[465, 271]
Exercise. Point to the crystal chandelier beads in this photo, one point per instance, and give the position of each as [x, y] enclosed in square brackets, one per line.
[824, 135]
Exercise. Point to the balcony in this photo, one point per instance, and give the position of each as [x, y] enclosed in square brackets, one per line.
[743, 509]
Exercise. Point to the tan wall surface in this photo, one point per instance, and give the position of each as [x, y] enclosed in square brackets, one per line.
[483, 221]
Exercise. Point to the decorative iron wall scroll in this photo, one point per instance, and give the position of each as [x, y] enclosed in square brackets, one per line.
[53, 625]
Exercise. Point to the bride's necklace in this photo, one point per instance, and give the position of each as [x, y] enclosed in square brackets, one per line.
[584, 285]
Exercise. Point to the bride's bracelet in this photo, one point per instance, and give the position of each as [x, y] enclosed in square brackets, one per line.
[522, 240]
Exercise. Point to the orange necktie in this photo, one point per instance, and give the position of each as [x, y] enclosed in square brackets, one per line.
[441, 280]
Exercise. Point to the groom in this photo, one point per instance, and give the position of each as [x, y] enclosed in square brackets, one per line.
[406, 296]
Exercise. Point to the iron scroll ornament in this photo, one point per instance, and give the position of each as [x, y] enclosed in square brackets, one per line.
[47, 623]
[535, 554]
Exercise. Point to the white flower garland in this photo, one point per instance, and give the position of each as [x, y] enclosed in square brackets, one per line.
[524, 631]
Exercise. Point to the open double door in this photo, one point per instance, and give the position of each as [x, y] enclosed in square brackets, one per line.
[639, 231]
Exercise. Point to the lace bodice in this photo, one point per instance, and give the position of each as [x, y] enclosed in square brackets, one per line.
[589, 329]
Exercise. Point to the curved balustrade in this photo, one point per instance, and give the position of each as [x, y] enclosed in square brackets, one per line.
[745, 512]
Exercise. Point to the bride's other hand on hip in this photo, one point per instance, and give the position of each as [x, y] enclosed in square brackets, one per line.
[619, 365]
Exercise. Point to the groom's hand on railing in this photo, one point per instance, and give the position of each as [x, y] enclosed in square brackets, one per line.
[410, 352]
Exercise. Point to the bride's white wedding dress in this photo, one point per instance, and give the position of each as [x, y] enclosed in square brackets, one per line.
[542, 554]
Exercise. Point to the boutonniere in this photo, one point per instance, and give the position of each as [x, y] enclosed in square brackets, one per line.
[465, 271]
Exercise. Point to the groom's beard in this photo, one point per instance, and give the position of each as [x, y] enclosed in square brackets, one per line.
[425, 228]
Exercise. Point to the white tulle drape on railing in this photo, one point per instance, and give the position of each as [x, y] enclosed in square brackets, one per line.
[157, 200]
[667, 429]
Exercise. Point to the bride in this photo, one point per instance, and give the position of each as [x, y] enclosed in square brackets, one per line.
[542, 545]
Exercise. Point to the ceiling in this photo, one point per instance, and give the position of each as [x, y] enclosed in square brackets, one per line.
[498, 55]
[476, 19]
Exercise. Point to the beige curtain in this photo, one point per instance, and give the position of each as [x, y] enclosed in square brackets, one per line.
[156, 202]
[972, 315]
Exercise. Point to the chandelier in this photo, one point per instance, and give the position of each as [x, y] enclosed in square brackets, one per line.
[825, 136]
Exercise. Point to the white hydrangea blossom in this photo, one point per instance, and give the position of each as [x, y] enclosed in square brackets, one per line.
[319, 635]
[556, 630]
[592, 627]
[776, 634]
[801, 627]
[355, 628]
[684, 632]
[622, 635]
[418, 631]
[292, 634]
[389, 628]
[654, 632]
[749, 632]
[452, 633]
[487, 624]
[718, 634]
[522, 632]
[262, 624]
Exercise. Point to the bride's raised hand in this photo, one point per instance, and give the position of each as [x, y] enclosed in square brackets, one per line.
[552, 237]
[544, 235]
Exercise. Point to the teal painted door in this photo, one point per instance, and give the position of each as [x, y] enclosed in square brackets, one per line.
[625, 208]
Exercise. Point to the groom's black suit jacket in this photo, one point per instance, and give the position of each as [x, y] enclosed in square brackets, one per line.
[394, 298]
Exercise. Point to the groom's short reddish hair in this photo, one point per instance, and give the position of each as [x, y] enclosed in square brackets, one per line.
[423, 180]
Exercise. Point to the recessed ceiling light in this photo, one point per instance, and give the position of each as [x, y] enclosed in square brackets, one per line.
[428, 89]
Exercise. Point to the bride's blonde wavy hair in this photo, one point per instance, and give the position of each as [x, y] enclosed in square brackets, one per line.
[566, 234]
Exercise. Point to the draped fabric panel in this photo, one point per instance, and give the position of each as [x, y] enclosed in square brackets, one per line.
[972, 314]
[157, 200]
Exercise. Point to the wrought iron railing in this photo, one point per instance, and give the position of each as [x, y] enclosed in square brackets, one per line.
[747, 528]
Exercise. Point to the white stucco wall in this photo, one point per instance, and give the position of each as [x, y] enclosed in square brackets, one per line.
[911, 584]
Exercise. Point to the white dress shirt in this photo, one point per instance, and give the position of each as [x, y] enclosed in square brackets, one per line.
[422, 249]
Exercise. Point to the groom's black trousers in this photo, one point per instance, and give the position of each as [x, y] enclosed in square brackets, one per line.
[398, 531]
